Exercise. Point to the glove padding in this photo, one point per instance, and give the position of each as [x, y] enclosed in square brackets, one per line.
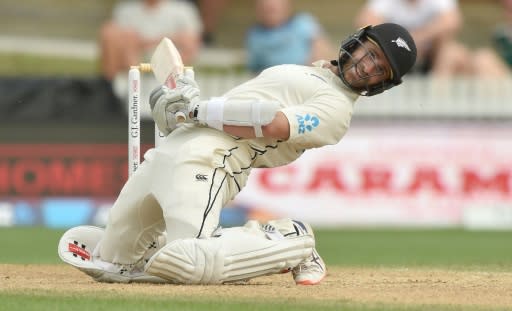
[166, 102]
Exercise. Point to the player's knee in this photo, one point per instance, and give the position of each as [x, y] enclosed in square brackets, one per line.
[186, 261]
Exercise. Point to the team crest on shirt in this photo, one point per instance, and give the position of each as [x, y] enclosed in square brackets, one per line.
[307, 123]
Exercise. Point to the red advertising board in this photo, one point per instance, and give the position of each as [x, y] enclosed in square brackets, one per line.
[95, 170]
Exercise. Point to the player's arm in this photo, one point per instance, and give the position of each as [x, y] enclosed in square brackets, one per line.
[444, 26]
[368, 16]
[279, 128]
[247, 118]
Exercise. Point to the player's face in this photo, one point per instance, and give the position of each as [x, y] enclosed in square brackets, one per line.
[367, 66]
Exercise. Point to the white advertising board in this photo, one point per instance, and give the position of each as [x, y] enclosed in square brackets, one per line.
[395, 176]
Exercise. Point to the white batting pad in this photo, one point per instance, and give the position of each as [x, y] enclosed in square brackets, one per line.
[76, 247]
[237, 254]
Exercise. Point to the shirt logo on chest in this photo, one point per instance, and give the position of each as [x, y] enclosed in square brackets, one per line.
[307, 122]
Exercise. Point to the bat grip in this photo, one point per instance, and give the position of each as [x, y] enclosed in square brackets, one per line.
[180, 118]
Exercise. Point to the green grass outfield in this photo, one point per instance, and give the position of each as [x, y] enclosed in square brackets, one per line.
[38, 302]
[393, 248]
[445, 249]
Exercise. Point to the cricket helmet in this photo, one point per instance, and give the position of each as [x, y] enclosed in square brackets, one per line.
[395, 42]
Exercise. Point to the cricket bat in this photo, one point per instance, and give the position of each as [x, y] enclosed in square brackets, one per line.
[168, 68]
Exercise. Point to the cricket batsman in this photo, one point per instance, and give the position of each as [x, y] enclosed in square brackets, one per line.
[164, 226]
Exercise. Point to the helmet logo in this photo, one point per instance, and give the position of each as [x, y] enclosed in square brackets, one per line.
[401, 43]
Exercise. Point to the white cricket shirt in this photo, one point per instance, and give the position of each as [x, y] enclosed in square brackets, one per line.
[316, 102]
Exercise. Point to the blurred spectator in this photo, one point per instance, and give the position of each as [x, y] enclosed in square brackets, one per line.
[138, 26]
[485, 63]
[502, 38]
[284, 37]
[210, 11]
[433, 24]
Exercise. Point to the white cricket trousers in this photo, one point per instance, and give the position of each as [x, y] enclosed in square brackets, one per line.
[180, 188]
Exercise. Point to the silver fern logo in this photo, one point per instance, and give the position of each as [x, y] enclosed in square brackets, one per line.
[401, 43]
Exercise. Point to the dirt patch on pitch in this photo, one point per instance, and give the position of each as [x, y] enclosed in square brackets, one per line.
[359, 285]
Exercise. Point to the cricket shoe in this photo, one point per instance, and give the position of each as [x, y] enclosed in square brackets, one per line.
[312, 270]
[78, 247]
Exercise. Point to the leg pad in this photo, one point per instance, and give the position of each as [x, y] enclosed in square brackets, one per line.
[237, 254]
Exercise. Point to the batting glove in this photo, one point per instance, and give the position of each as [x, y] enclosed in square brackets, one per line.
[166, 103]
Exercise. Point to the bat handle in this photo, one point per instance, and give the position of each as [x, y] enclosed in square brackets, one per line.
[180, 118]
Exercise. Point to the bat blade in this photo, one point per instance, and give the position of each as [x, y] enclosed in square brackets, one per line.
[166, 63]
[167, 66]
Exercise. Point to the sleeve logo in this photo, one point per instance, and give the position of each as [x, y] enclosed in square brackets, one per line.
[307, 123]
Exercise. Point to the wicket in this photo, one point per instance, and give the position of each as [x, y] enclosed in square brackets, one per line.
[134, 128]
